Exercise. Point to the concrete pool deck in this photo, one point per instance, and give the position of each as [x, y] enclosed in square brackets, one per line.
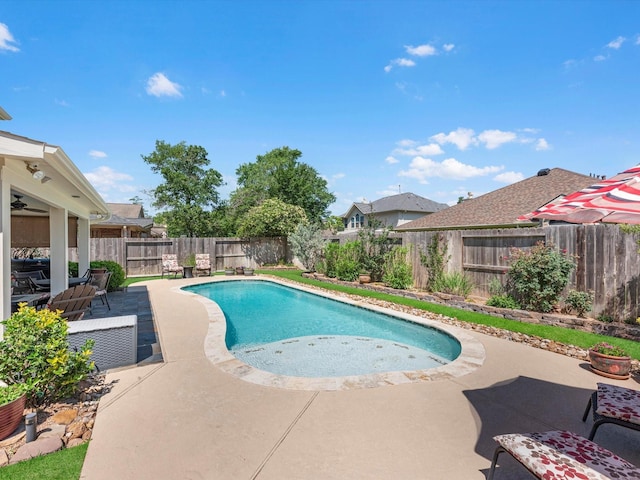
[186, 418]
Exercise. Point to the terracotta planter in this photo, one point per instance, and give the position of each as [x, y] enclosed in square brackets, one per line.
[610, 366]
[239, 270]
[364, 278]
[11, 416]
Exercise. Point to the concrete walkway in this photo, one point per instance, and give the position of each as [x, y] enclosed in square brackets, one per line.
[187, 419]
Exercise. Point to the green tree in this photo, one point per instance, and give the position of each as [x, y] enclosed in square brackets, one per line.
[188, 193]
[272, 218]
[278, 174]
[307, 244]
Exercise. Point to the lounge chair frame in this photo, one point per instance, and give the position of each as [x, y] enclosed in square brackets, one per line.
[599, 419]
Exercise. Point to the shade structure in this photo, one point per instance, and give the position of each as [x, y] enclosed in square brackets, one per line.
[615, 200]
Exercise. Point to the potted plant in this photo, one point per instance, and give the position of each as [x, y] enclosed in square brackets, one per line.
[610, 361]
[364, 277]
[229, 271]
[12, 401]
[248, 271]
[239, 270]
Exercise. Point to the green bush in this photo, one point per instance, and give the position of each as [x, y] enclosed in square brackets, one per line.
[455, 283]
[35, 352]
[348, 265]
[11, 392]
[503, 301]
[331, 258]
[435, 260]
[579, 302]
[397, 271]
[117, 273]
[537, 276]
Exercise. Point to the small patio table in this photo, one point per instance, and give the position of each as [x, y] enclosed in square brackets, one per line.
[73, 282]
[31, 299]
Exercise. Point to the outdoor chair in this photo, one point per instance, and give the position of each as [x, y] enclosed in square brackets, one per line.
[23, 283]
[203, 263]
[613, 404]
[170, 265]
[561, 454]
[73, 302]
[101, 282]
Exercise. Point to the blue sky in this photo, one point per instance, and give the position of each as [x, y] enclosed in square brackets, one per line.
[435, 98]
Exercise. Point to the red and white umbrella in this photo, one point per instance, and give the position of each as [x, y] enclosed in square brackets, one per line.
[615, 200]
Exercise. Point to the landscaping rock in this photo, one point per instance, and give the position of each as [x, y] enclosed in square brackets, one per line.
[65, 417]
[36, 448]
[4, 459]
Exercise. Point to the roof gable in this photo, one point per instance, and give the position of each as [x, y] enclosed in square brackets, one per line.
[403, 202]
[126, 210]
[505, 205]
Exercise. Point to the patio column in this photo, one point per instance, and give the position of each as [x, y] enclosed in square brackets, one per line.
[59, 239]
[84, 245]
[5, 249]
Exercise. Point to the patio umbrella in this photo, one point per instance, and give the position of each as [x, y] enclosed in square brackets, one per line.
[615, 200]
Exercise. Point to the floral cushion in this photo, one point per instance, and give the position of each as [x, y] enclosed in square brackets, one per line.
[170, 263]
[618, 402]
[202, 261]
[559, 455]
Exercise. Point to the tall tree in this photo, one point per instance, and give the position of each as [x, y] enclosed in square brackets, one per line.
[272, 218]
[278, 174]
[188, 193]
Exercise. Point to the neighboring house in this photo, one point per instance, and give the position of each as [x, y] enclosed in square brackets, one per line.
[391, 211]
[127, 221]
[502, 207]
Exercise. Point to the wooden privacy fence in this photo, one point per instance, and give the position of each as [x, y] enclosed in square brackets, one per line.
[143, 256]
[608, 262]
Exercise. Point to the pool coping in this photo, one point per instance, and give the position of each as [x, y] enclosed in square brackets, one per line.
[471, 357]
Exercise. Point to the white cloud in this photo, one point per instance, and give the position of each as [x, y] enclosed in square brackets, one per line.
[400, 62]
[223, 93]
[6, 39]
[421, 50]
[423, 168]
[62, 103]
[390, 190]
[406, 142]
[530, 130]
[542, 145]
[420, 150]
[494, 138]
[638, 40]
[447, 47]
[509, 177]
[461, 138]
[105, 179]
[97, 154]
[617, 43]
[391, 160]
[599, 58]
[159, 85]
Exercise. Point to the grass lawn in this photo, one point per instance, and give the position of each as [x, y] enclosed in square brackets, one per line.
[63, 465]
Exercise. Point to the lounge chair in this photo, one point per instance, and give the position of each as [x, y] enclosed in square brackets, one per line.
[73, 302]
[101, 282]
[170, 265]
[203, 263]
[613, 404]
[562, 455]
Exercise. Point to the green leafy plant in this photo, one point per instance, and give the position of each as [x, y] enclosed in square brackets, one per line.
[306, 244]
[607, 349]
[434, 260]
[347, 264]
[331, 258]
[35, 352]
[579, 302]
[11, 392]
[603, 317]
[496, 287]
[454, 283]
[397, 271]
[537, 276]
[503, 301]
[117, 273]
[189, 260]
[374, 245]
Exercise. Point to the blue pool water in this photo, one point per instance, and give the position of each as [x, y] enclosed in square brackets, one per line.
[290, 332]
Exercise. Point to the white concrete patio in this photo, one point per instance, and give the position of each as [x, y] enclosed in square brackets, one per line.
[187, 419]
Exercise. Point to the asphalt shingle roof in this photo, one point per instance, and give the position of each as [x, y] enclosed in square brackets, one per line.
[403, 202]
[505, 205]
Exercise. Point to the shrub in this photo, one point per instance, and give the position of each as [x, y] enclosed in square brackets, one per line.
[117, 273]
[434, 260]
[503, 301]
[495, 287]
[537, 276]
[603, 317]
[374, 245]
[455, 283]
[347, 264]
[306, 244]
[331, 258]
[35, 351]
[397, 271]
[579, 302]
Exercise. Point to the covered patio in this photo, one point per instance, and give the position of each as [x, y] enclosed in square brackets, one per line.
[45, 201]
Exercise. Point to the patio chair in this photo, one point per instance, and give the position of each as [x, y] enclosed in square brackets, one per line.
[613, 404]
[561, 454]
[23, 282]
[170, 265]
[203, 263]
[101, 282]
[73, 302]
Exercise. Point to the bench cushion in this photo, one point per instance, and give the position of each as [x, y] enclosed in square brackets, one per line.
[560, 454]
[618, 402]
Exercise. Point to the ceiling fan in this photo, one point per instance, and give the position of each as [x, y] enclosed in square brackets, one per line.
[18, 204]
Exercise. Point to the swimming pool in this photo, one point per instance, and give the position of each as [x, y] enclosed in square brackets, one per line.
[291, 332]
[226, 338]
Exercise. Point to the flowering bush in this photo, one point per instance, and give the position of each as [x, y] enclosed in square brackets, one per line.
[608, 349]
[537, 276]
[580, 302]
